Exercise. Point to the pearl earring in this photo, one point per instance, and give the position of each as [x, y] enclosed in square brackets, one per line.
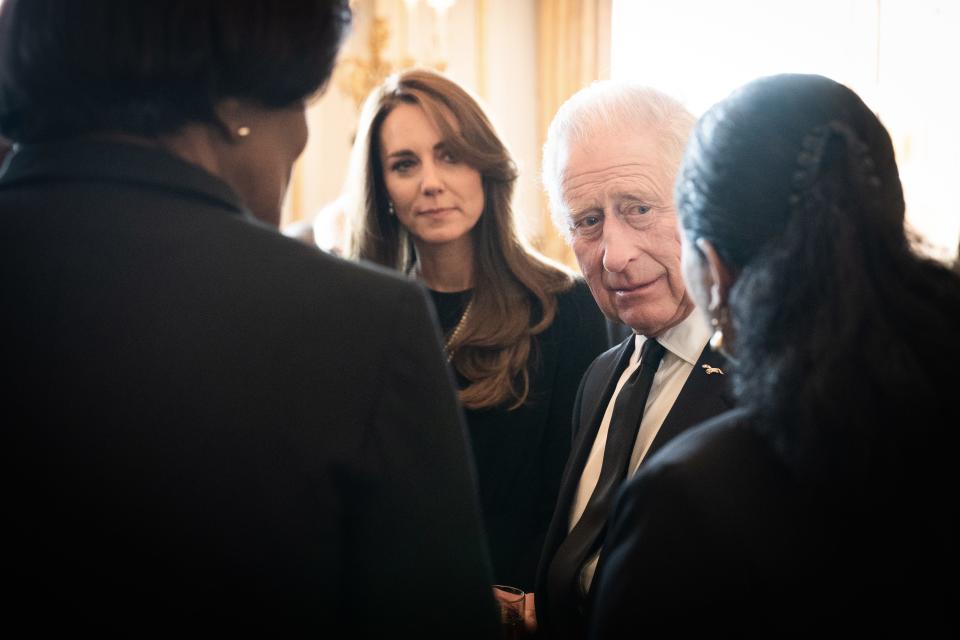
[716, 340]
[390, 209]
[243, 132]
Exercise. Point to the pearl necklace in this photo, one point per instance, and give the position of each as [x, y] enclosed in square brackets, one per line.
[456, 330]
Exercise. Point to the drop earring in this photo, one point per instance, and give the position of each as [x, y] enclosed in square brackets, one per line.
[390, 208]
[716, 340]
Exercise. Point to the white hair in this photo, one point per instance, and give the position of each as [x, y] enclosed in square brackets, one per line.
[609, 106]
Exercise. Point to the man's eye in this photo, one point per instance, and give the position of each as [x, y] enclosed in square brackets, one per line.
[638, 209]
[586, 221]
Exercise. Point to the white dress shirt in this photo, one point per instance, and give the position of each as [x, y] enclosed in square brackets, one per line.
[684, 343]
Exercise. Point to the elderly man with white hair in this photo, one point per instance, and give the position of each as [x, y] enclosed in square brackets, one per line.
[610, 160]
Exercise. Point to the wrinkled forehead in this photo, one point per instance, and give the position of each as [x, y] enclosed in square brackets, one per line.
[615, 161]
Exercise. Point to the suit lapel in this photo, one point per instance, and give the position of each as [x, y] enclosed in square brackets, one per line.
[598, 386]
[597, 392]
[703, 396]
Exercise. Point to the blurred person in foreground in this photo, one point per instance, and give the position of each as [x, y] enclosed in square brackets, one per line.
[826, 500]
[211, 428]
[610, 160]
[432, 184]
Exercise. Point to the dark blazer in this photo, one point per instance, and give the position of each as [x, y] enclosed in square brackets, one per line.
[211, 426]
[715, 537]
[702, 397]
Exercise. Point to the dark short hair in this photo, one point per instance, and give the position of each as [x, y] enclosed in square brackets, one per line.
[148, 68]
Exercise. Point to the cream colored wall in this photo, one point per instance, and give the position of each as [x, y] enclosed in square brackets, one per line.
[899, 55]
[509, 62]
[490, 49]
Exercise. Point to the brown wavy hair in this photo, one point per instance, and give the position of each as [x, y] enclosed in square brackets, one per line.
[515, 288]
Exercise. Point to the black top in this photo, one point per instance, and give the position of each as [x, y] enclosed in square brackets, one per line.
[520, 454]
[209, 426]
[715, 534]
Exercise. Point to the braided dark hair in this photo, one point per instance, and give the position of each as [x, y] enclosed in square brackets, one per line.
[839, 325]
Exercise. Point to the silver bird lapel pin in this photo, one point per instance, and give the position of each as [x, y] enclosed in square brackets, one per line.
[711, 370]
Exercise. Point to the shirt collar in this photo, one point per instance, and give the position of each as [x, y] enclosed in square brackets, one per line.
[685, 340]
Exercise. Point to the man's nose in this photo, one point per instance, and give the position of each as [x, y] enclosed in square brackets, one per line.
[618, 247]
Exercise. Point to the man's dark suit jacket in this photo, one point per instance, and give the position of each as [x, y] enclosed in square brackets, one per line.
[702, 397]
[211, 426]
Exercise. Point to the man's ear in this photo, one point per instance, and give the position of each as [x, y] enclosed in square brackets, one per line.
[721, 276]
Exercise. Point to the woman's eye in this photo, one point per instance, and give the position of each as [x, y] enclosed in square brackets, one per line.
[448, 157]
[402, 166]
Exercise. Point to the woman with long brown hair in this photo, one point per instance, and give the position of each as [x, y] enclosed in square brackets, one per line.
[433, 184]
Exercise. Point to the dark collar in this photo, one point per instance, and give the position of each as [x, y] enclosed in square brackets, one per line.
[104, 161]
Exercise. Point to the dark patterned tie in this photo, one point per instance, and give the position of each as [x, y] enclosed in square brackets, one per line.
[563, 578]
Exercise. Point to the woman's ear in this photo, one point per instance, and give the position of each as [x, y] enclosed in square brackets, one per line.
[236, 117]
[721, 276]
